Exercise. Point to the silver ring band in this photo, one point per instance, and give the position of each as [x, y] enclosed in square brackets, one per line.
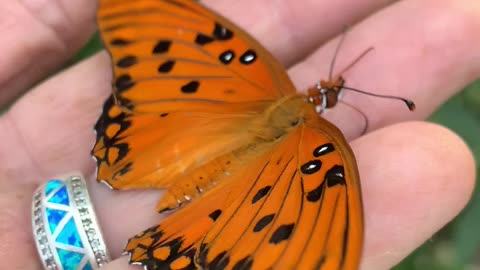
[65, 227]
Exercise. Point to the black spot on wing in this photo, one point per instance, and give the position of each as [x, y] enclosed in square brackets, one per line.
[174, 252]
[335, 176]
[311, 167]
[105, 120]
[124, 170]
[282, 233]
[127, 61]
[220, 262]
[323, 150]
[263, 222]
[202, 39]
[227, 57]
[123, 150]
[119, 42]
[124, 82]
[248, 57]
[162, 47]
[215, 214]
[174, 246]
[316, 194]
[244, 264]
[190, 87]
[166, 66]
[261, 193]
[222, 33]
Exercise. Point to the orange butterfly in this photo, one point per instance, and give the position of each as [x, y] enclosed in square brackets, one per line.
[202, 110]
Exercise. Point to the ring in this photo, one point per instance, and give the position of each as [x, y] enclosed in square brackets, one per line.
[65, 227]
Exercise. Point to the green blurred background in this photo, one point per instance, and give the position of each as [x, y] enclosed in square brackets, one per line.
[457, 246]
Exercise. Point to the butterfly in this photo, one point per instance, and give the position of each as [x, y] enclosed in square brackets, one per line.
[199, 108]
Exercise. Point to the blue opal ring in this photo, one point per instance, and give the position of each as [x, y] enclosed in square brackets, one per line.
[65, 228]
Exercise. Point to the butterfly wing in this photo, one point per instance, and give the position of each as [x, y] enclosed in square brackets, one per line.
[179, 68]
[173, 243]
[302, 212]
[299, 208]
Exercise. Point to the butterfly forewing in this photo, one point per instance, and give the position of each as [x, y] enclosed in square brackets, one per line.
[174, 51]
[178, 69]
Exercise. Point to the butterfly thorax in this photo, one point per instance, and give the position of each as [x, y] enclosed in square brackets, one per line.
[259, 133]
[283, 116]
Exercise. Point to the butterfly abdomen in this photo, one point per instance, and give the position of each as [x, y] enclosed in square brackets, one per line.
[202, 179]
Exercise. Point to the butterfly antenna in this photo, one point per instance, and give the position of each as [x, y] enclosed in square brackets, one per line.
[354, 62]
[337, 49]
[361, 113]
[410, 104]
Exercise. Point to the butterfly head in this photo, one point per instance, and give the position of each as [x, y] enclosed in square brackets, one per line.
[325, 94]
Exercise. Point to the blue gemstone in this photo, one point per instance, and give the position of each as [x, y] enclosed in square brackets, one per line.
[54, 217]
[60, 197]
[87, 267]
[70, 260]
[69, 235]
[52, 185]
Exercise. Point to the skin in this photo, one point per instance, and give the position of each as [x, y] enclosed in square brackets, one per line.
[415, 176]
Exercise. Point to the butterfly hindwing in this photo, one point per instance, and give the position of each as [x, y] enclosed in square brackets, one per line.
[300, 212]
[176, 240]
[297, 208]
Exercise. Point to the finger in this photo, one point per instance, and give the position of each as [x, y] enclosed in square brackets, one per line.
[50, 130]
[418, 178]
[414, 175]
[121, 264]
[424, 50]
[17, 249]
[37, 37]
[291, 29]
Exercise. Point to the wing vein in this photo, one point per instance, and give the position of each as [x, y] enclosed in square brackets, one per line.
[260, 208]
[243, 200]
[279, 211]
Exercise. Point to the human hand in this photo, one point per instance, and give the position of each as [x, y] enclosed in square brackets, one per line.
[415, 176]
